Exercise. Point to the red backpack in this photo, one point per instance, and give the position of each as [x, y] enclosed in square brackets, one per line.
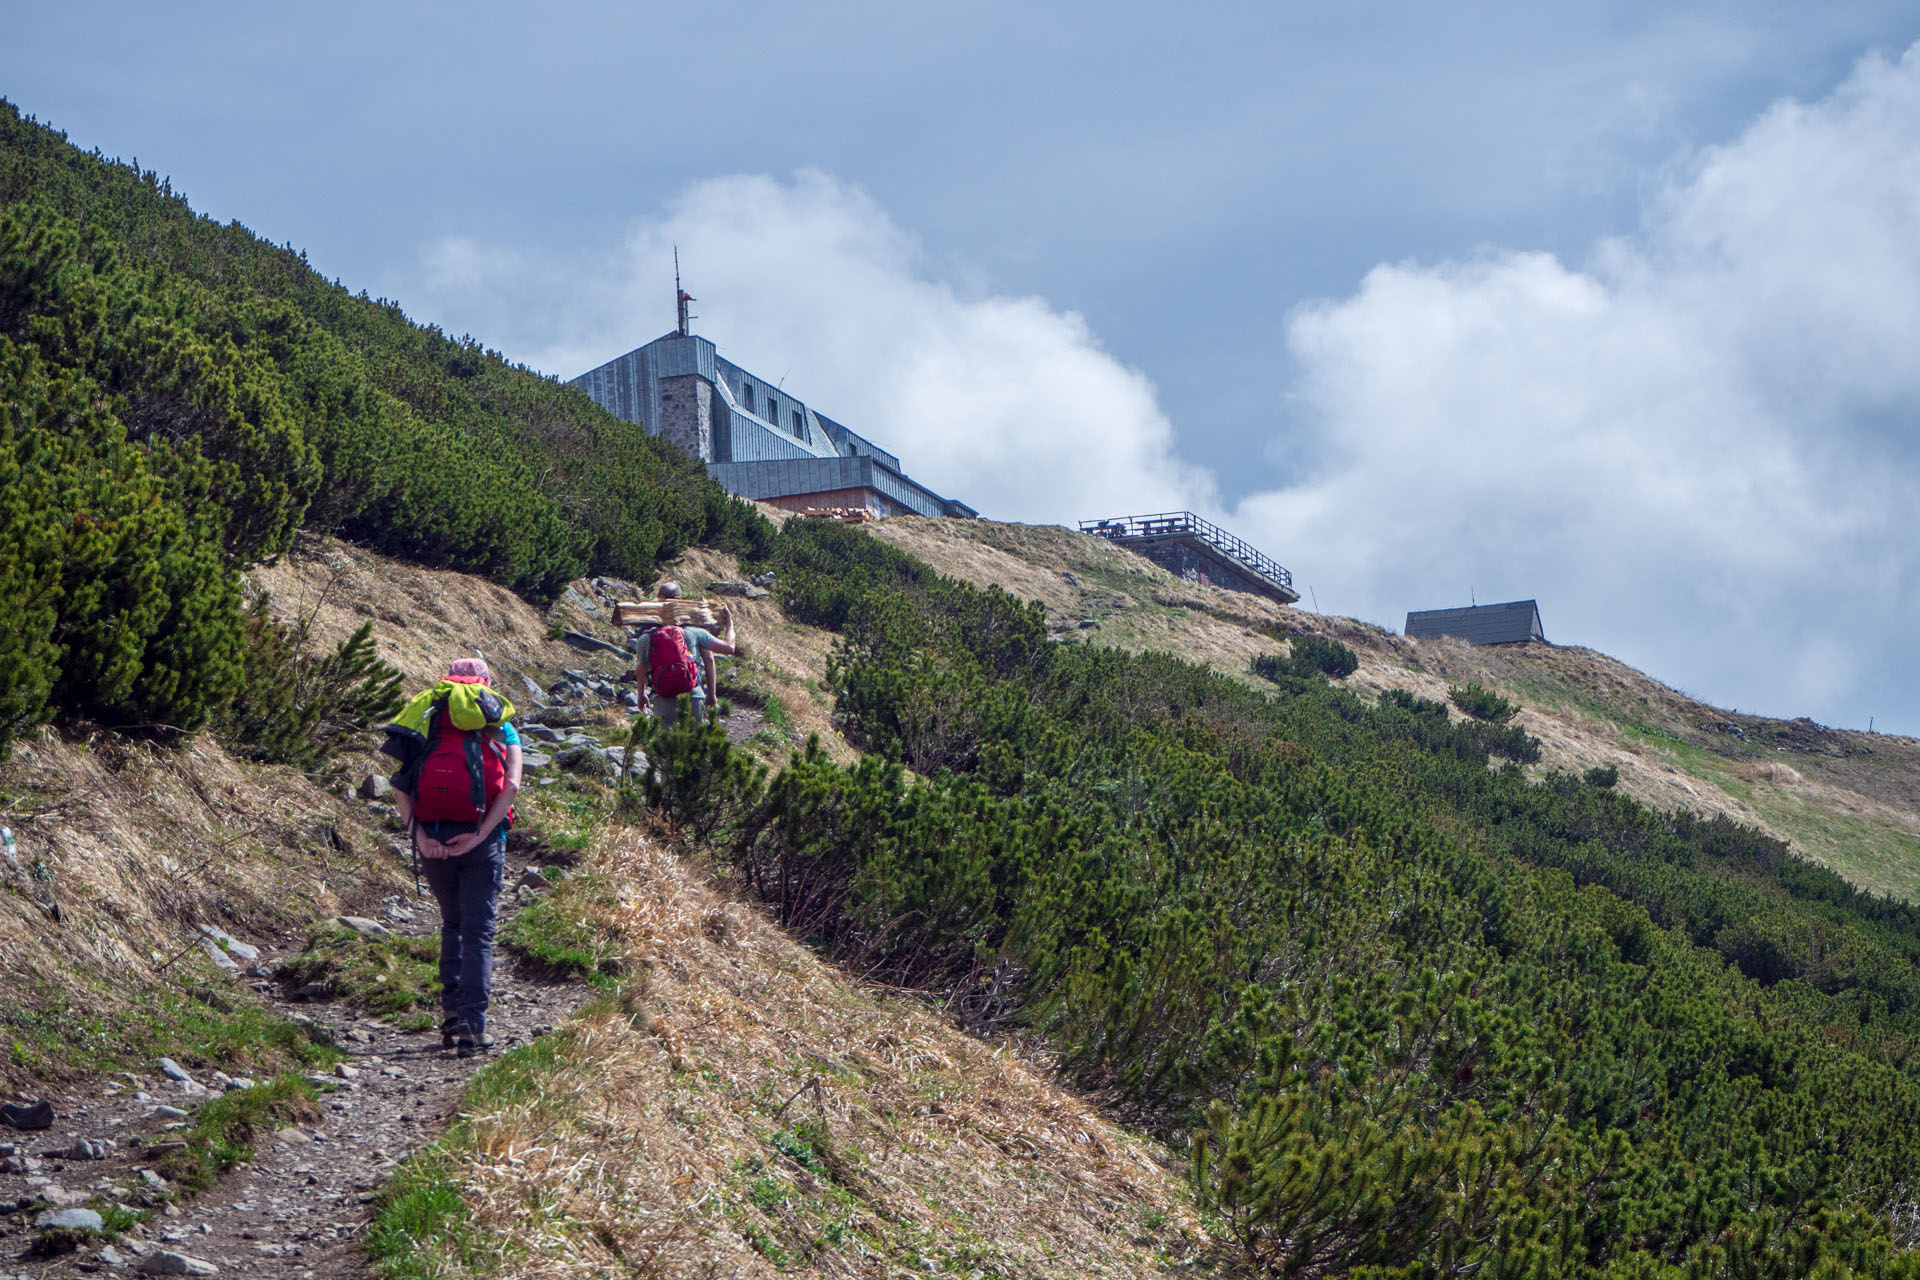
[464, 770]
[670, 664]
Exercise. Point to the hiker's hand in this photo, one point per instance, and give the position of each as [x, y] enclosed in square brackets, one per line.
[461, 843]
[431, 848]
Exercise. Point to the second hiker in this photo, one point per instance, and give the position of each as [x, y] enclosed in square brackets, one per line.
[676, 661]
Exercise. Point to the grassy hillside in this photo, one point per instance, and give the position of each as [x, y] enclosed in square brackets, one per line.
[1427, 1002]
[1845, 799]
[178, 398]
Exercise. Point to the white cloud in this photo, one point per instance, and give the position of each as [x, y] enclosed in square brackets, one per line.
[1700, 451]
[1004, 402]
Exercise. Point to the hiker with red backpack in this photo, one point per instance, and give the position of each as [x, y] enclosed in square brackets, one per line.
[677, 661]
[459, 773]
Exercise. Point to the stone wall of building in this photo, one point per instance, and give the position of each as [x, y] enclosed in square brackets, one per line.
[686, 414]
[1197, 563]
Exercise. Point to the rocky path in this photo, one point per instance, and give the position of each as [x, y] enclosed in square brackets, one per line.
[298, 1207]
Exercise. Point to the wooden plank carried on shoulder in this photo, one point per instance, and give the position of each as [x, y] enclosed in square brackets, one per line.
[654, 613]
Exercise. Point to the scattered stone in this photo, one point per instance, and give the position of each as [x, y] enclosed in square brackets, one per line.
[192, 1088]
[560, 715]
[344, 1071]
[532, 879]
[749, 590]
[375, 787]
[533, 687]
[70, 1220]
[531, 759]
[22, 1115]
[15, 1164]
[541, 732]
[153, 1179]
[238, 1083]
[171, 1069]
[233, 945]
[364, 927]
[398, 1073]
[589, 644]
[112, 1256]
[221, 960]
[292, 1136]
[166, 1262]
[166, 1112]
[360, 1035]
[90, 1149]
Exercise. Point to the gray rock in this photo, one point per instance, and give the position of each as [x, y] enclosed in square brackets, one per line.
[533, 689]
[9, 1149]
[112, 1256]
[364, 927]
[16, 1165]
[24, 1115]
[589, 644]
[165, 1262]
[70, 1220]
[531, 759]
[532, 879]
[375, 787]
[233, 945]
[170, 1113]
[238, 1083]
[579, 600]
[171, 1069]
[630, 700]
[560, 715]
[397, 911]
[221, 960]
[540, 732]
[153, 1179]
[90, 1149]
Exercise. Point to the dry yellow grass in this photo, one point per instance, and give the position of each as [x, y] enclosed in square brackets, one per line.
[744, 1109]
[141, 844]
[422, 618]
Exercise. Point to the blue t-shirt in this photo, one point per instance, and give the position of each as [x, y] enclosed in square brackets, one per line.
[509, 734]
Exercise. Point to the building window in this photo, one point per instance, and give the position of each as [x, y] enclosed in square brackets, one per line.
[746, 395]
[799, 425]
[773, 410]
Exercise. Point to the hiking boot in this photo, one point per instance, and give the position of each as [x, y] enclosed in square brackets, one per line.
[470, 1046]
[451, 1030]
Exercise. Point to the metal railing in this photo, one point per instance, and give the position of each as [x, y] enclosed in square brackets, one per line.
[1176, 524]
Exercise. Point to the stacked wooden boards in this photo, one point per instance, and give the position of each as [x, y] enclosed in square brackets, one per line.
[676, 613]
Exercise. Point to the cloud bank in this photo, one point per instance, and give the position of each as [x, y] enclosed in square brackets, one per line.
[1700, 448]
[1003, 402]
[1699, 451]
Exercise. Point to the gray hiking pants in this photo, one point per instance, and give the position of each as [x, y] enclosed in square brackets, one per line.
[468, 891]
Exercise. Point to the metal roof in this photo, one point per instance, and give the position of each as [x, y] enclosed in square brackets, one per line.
[1514, 622]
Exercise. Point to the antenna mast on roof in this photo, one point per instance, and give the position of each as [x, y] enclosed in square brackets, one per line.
[680, 296]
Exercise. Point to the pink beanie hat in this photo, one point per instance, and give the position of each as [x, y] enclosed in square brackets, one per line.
[470, 671]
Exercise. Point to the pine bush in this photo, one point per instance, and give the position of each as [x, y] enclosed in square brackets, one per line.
[1483, 703]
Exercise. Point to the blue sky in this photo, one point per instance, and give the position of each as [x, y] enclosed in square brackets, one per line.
[1425, 300]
